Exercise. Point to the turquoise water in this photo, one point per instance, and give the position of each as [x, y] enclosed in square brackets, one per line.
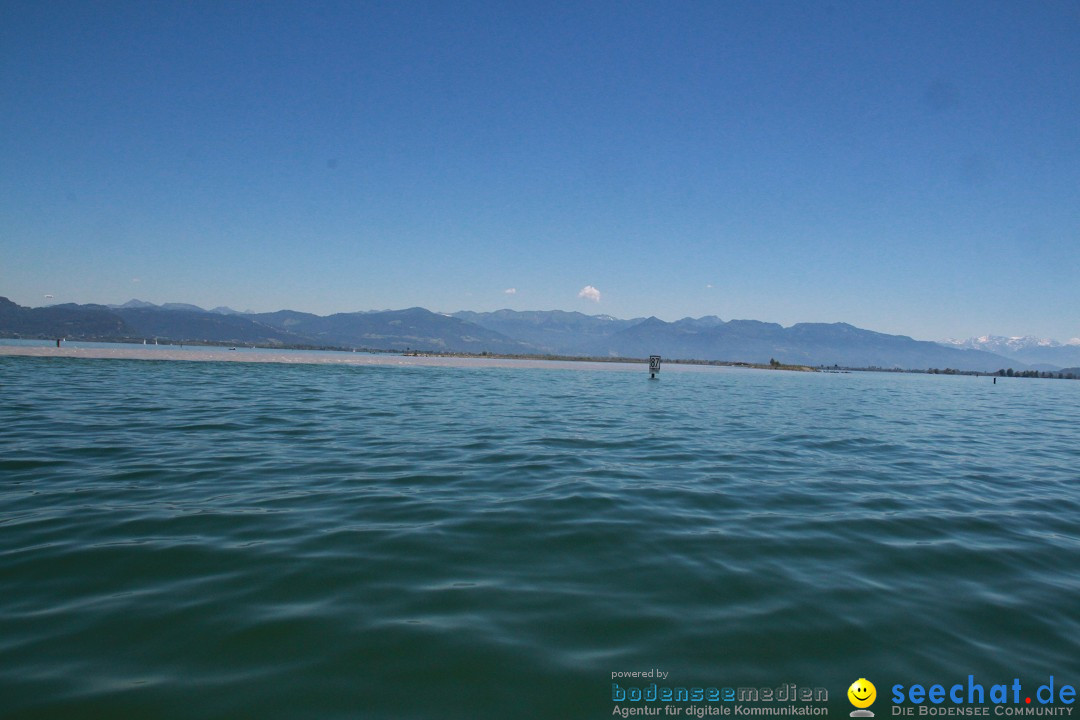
[224, 540]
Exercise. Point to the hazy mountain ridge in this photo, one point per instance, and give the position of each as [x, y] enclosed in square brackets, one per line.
[800, 344]
[61, 321]
[201, 326]
[188, 307]
[1040, 353]
[552, 331]
[506, 332]
[414, 328]
[737, 340]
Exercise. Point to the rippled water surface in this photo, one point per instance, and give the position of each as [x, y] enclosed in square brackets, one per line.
[223, 540]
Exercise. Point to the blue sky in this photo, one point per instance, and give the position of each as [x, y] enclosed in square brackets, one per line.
[908, 167]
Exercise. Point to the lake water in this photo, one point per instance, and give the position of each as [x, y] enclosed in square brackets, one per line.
[232, 540]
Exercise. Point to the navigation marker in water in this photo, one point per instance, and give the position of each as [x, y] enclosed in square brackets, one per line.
[654, 366]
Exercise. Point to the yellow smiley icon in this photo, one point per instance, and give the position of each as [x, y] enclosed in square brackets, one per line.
[862, 693]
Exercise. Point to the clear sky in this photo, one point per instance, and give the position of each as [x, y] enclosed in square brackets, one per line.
[908, 167]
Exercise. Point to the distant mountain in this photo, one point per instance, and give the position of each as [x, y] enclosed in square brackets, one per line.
[136, 320]
[415, 328]
[801, 344]
[552, 331]
[59, 321]
[133, 303]
[710, 338]
[1040, 353]
[506, 331]
[737, 340]
[201, 326]
[708, 321]
[852, 346]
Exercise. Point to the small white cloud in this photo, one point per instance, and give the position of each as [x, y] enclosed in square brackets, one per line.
[708, 285]
[136, 280]
[510, 291]
[589, 293]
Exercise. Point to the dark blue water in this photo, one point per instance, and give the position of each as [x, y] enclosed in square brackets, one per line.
[224, 540]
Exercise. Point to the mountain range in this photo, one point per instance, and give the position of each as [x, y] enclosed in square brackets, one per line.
[552, 332]
[1040, 353]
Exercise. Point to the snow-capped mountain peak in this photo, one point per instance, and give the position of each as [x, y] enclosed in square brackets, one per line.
[997, 343]
[1025, 348]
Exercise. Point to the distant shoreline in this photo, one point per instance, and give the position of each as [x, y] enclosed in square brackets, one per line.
[623, 360]
[203, 353]
[291, 357]
[338, 356]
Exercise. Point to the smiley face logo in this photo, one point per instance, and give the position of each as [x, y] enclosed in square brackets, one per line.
[862, 694]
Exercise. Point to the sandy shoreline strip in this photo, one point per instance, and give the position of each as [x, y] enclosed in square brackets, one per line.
[202, 354]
